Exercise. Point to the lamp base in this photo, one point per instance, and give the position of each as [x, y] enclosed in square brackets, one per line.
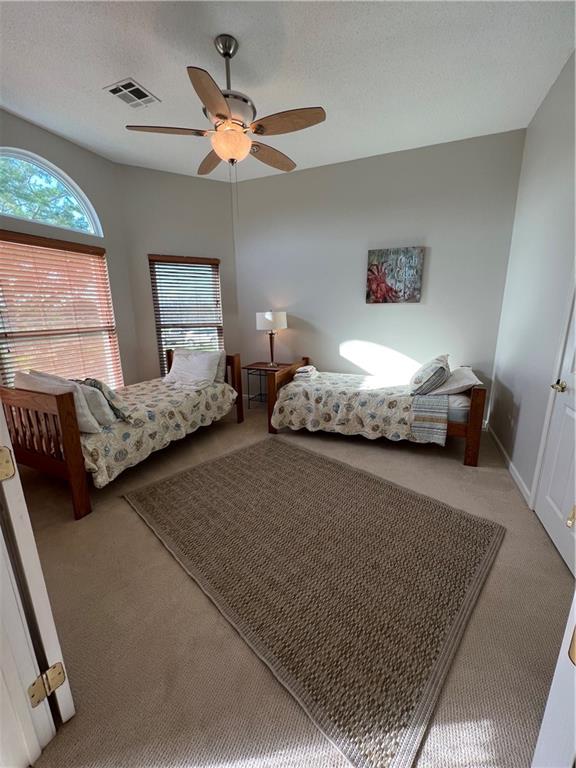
[272, 364]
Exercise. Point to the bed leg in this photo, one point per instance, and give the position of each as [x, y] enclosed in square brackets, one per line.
[77, 476]
[271, 396]
[474, 430]
[236, 371]
[80, 495]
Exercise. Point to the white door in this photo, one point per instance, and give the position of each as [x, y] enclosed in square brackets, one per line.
[555, 498]
[27, 631]
[23, 730]
[556, 747]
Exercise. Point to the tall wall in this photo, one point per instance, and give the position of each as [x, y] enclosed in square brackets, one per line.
[98, 179]
[141, 212]
[540, 281]
[174, 215]
[303, 238]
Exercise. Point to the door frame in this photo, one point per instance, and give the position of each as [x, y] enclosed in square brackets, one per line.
[568, 318]
[556, 738]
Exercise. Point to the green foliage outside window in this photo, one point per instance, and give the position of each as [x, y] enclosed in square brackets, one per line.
[30, 192]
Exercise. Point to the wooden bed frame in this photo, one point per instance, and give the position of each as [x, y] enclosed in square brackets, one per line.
[45, 436]
[470, 430]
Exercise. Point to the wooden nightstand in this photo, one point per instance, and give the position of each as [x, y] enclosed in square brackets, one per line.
[276, 377]
[260, 371]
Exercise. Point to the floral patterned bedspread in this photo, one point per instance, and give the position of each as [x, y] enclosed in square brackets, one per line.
[360, 405]
[159, 413]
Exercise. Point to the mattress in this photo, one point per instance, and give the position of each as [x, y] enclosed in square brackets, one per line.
[161, 412]
[458, 408]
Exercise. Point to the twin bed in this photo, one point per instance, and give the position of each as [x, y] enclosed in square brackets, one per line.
[44, 429]
[361, 405]
[45, 435]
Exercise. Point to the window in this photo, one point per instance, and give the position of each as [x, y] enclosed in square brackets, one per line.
[33, 189]
[56, 310]
[187, 303]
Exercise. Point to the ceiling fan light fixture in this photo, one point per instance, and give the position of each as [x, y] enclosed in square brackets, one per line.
[233, 114]
[230, 142]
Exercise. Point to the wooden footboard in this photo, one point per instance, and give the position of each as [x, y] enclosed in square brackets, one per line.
[470, 430]
[45, 436]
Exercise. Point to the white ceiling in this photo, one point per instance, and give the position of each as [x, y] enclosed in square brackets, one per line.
[391, 75]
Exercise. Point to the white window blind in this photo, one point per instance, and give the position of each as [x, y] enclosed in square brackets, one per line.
[187, 303]
[56, 310]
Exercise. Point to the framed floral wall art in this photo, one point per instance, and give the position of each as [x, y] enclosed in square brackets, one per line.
[394, 275]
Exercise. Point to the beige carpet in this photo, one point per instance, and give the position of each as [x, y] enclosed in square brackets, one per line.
[354, 590]
[161, 679]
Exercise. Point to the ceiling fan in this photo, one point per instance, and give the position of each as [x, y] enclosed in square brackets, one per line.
[233, 116]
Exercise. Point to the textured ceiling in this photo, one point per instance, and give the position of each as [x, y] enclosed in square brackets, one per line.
[391, 76]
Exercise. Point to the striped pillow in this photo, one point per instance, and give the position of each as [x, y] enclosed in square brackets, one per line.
[430, 376]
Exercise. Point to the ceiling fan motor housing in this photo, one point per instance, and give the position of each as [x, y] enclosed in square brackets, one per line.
[241, 107]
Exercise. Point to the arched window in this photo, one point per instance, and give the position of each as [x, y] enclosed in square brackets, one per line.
[31, 188]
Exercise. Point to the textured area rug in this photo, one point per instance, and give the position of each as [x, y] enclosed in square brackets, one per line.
[353, 590]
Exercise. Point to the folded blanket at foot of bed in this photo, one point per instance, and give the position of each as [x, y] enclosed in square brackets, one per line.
[306, 373]
[357, 405]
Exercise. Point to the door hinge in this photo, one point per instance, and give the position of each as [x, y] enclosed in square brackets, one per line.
[46, 683]
[7, 468]
[560, 385]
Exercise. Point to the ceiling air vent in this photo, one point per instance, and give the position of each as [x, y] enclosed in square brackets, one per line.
[131, 93]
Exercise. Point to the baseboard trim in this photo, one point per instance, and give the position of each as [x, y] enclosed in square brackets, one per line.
[522, 487]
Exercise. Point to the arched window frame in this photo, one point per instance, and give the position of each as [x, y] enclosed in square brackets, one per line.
[73, 188]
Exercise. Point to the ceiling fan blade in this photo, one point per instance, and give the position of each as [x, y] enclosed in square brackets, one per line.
[209, 93]
[166, 129]
[286, 122]
[272, 157]
[208, 164]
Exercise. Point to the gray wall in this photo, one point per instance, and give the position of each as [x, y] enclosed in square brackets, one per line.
[540, 282]
[178, 216]
[98, 178]
[303, 240]
[141, 212]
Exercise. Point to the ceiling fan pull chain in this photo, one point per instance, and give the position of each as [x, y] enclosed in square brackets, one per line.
[236, 188]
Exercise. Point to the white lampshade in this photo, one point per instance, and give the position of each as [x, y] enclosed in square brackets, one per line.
[271, 321]
[230, 142]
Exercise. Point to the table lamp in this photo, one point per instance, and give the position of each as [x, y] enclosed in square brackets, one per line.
[271, 322]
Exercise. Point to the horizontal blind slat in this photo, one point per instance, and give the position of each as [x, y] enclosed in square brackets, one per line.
[56, 312]
[187, 303]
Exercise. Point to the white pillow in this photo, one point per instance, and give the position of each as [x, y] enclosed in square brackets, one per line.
[193, 368]
[56, 385]
[220, 370]
[36, 383]
[98, 405]
[459, 380]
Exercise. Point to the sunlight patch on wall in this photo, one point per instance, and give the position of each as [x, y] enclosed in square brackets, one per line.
[391, 367]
